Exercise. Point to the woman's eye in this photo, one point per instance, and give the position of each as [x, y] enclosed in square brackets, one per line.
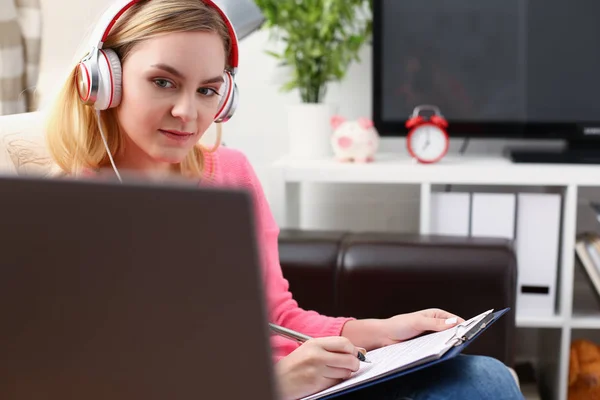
[207, 91]
[163, 83]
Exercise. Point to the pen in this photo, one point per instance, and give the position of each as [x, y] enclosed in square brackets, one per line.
[301, 338]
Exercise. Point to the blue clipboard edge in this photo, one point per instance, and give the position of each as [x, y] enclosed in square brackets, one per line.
[453, 352]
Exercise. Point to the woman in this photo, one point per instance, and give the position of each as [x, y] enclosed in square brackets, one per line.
[170, 56]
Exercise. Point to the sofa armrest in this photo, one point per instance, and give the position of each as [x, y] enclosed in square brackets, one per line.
[309, 260]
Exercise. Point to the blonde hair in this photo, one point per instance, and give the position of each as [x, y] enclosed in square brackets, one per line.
[73, 136]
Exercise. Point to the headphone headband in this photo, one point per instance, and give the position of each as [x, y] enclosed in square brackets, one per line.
[121, 6]
[98, 76]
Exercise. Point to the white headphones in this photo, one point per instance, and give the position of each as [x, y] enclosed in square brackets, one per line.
[99, 72]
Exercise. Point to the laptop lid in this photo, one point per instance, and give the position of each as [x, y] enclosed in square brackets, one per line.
[125, 292]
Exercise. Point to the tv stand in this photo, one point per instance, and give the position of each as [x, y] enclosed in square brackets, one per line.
[576, 152]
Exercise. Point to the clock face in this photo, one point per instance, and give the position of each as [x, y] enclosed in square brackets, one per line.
[428, 143]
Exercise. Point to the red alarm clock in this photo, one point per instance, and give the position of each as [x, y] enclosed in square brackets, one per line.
[427, 139]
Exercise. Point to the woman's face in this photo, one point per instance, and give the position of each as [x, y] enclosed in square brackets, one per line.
[171, 92]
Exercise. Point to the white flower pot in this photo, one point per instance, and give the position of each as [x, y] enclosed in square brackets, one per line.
[309, 130]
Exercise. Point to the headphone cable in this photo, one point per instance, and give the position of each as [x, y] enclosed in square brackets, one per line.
[112, 162]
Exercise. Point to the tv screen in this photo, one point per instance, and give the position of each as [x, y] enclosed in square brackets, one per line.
[495, 68]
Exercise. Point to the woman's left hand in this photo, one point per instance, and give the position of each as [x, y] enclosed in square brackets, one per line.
[407, 326]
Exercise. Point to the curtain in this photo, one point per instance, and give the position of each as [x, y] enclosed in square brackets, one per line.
[20, 48]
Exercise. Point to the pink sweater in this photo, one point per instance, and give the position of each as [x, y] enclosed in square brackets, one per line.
[230, 168]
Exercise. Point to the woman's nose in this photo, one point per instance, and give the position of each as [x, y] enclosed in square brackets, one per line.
[185, 108]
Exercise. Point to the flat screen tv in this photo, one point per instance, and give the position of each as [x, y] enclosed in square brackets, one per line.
[495, 68]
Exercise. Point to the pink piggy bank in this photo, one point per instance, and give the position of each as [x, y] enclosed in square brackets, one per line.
[354, 141]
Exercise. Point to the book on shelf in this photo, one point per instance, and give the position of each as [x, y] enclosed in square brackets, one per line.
[587, 250]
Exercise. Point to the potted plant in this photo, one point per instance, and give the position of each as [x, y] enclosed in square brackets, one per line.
[319, 40]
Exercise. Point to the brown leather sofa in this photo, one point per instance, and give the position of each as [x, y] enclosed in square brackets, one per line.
[378, 275]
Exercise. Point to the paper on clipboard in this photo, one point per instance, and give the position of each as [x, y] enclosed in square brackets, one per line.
[404, 355]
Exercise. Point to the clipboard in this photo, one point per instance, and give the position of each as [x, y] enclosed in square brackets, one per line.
[463, 336]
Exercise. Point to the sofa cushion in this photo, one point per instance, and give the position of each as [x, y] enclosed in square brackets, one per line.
[23, 148]
[384, 274]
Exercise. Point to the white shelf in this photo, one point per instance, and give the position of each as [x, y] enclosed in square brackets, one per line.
[582, 321]
[391, 168]
[540, 322]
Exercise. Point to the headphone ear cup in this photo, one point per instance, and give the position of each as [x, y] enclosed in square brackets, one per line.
[84, 82]
[109, 87]
[414, 121]
[229, 99]
[439, 121]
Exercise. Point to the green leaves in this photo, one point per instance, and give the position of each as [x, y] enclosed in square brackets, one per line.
[321, 38]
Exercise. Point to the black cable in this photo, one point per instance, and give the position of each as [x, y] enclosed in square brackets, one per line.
[463, 147]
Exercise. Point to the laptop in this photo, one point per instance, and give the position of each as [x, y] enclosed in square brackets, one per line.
[129, 292]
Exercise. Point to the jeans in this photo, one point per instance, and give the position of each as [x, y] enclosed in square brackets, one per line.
[463, 377]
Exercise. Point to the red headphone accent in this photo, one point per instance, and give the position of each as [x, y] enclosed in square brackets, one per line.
[233, 57]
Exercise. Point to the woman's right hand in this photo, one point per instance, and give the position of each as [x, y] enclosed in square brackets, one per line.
[316, 365]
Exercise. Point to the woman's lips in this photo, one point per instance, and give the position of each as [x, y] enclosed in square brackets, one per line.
[176, 135]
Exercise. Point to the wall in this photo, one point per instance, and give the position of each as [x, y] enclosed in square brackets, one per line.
[65, 25]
